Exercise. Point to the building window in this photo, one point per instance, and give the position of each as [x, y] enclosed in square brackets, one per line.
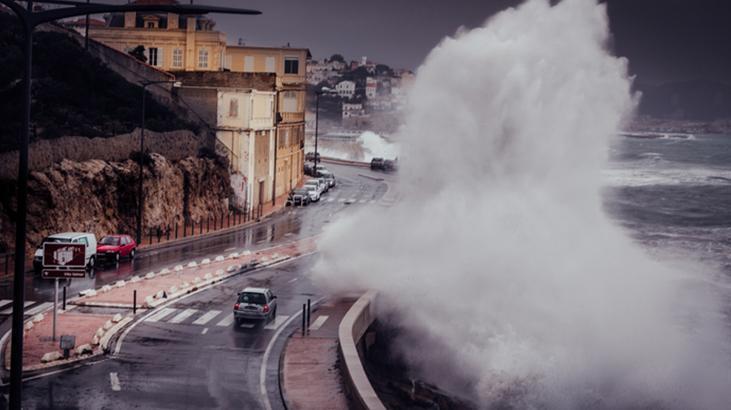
[270, 65]
[291, 65]
[203, 58]
[289, 103]
[177, 57]
[233, 108]
[152, 56]
[248, 64]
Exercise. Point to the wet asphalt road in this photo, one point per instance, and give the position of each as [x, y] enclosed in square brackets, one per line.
[164, 365]
[172, 363]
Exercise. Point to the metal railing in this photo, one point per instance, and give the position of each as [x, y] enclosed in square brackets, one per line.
[187, 227]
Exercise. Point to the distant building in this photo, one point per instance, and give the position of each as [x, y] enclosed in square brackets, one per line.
[80, 24]
[290, 66]
[172, 42]
[351, 110]
[371, 87]
[345, 89]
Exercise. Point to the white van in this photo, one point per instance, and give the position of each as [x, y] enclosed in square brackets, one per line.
[87, 239]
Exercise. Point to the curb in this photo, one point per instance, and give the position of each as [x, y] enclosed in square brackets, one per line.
[113, 332]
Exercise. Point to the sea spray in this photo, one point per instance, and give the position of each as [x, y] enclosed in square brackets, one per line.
[499, 260]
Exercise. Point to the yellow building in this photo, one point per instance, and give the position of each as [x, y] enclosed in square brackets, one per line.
[289, 64]
[172, 42]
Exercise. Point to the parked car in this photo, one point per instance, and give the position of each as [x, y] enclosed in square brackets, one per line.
[377, 164]
[324, 183]
[88, 239]
[300, 197]
[320, 184]
[328, 176]
[255, 304]
[309, 169]
[310, 156]
[313, 190]
[112, 248]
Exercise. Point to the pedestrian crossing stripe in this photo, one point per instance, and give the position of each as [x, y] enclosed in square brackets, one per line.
[38, 309]
[331, 200]
[226, 320]
[207, 317]
[9, 310]
[161, 314]
[182, 316]
[5, 302]
[278, 321]
[318, 322]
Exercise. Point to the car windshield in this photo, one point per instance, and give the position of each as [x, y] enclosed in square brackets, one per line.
[51, 240]
[310, 188]
[252, 298]
[109, 240]
[311, 183]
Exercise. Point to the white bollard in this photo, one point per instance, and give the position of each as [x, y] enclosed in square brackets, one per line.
[219, 258]
[178, 268]
[164, 271]
[150, 275]
[120, 284]
[192, 264]
[117, 318]
[51, 356]
[205, 261]
[135, 279]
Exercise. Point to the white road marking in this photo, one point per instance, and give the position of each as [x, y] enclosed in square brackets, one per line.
[9, 310]
[226, 320]
[341, 200]
[204, 331]
[114, 380]
[40, 308]
[161, 314]
[362, 201]
[248, 325]
[265, 359]
[207, 317]
[5, 302]
[318, 322]
[182, 316]
[292, 280]
[277, 322]
[331, 200]
[229, 250]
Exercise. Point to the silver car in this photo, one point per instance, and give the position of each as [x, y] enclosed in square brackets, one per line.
[255, 304]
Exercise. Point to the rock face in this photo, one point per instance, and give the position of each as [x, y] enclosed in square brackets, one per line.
[101, 197]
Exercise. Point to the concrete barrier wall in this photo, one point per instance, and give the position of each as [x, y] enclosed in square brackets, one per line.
[173, 145]
[352, 328]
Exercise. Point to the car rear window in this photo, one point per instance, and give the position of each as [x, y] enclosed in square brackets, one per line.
[109, 240]
[253, 298]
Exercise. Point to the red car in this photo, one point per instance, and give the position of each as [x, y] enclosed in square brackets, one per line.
[112, 248]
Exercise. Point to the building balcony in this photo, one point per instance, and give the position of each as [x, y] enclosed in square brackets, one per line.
[290, 117]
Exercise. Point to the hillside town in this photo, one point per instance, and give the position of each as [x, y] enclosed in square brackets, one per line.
[357, 94]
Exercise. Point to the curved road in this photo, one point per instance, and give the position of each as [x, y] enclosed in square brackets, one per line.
[189, 354]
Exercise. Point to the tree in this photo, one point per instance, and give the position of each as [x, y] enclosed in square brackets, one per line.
[139, 53]
[337, 57]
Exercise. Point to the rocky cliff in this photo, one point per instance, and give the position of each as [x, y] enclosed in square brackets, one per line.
[101, 196]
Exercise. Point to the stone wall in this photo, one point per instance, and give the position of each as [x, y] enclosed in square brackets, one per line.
[101, 197]
[174, 145]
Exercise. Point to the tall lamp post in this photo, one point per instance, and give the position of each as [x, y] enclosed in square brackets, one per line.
[29, 20]
[323, 90]
[142, 153]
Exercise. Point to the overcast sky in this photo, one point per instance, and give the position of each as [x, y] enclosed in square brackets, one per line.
[665, 40]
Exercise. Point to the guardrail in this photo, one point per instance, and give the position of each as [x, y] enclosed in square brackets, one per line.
[352, 328]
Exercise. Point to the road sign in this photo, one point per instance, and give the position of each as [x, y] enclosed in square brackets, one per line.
[63, 273]
[57, 255]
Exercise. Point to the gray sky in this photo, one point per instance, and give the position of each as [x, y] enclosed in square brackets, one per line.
[665, 40]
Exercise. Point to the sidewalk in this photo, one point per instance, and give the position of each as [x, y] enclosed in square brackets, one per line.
[97, 315]
[311, 377]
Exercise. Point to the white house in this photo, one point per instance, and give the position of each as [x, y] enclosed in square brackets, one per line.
[245, 126]
[345, 89]
[371, 87]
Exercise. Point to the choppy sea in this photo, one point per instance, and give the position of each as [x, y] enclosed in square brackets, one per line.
[673, 194]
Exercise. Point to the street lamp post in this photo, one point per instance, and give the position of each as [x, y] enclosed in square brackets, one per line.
[323, 90]
[138, 235]
[29, 19]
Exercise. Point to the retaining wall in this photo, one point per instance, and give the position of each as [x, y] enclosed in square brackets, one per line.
[352, 328]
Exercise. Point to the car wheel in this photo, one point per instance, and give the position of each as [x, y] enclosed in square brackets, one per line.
[132, 254]
[116, 257]
[90, 267]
